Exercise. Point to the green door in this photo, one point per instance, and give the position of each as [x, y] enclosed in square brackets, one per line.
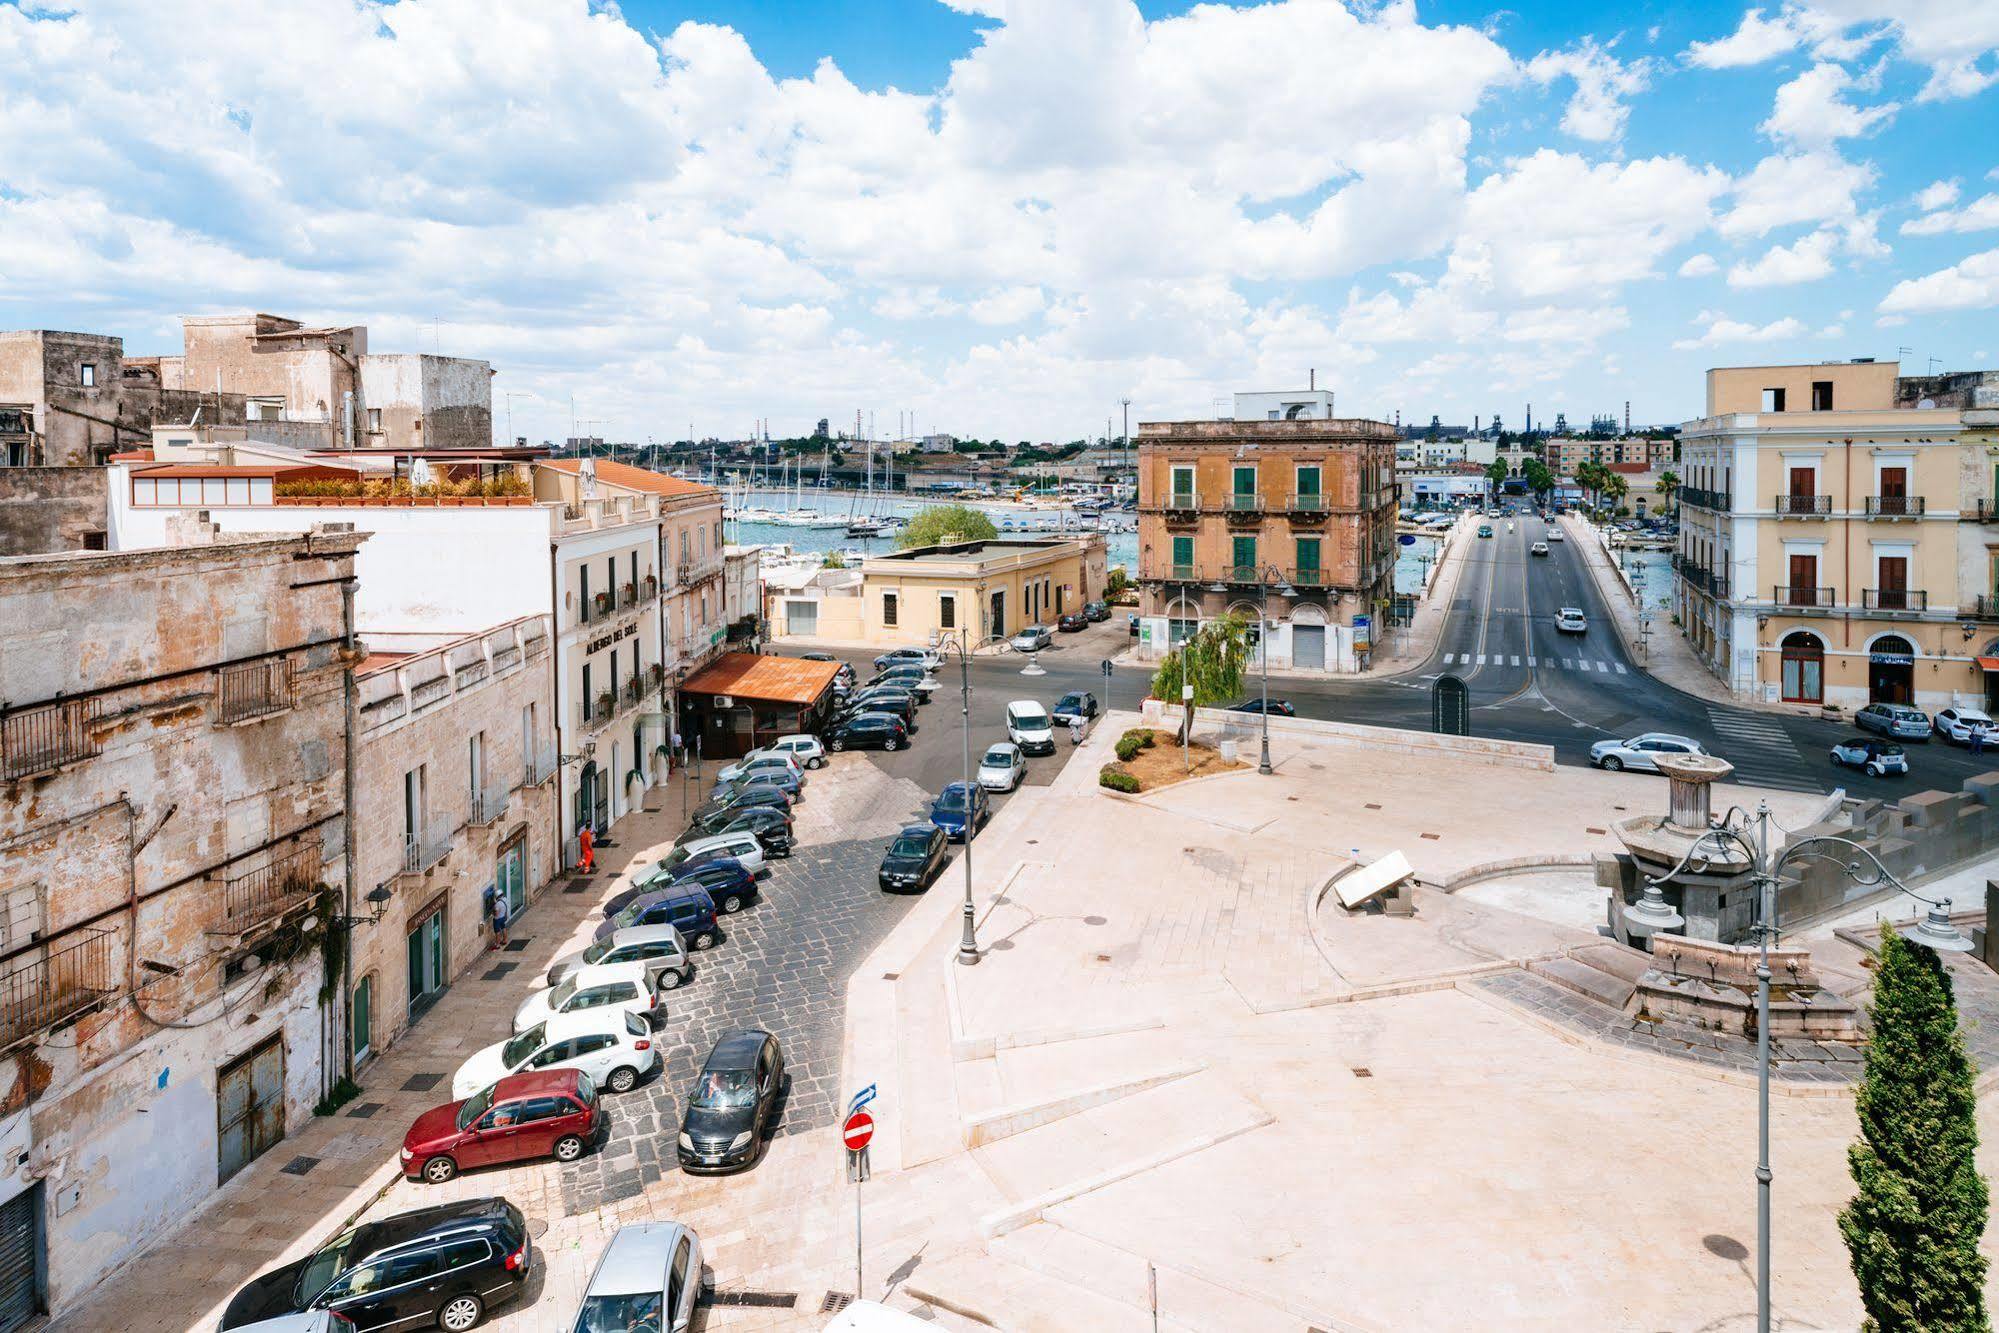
[510, 877]
[1242, 486]
[1242, 556]
[1308, 562]
[363, 1034]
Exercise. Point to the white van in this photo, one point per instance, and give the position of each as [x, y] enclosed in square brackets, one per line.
[1029, 726]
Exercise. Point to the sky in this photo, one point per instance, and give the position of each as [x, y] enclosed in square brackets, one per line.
[1001, 218]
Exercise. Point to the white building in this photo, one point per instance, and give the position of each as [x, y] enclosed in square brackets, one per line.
[1316, 404]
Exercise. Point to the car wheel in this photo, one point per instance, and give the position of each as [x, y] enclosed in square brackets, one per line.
[705, 940]
[623, 1079]
[815, 762]
[732, 903]
[891, 744]
[837, 744]
[1613, 763]
[460, 1313]
[439, 1169]
[1876, 770]
[568, 1148]
[670, 979]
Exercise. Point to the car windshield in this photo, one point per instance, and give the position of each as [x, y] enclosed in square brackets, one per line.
[638, 1312]
[515, 1052]
[595, 953]
[910, 845]
[473, 1107]
[952, 797]
[561, 996]
[725, 1090]
[322, 1268]
[1069, 701]
[1031, 719]
[997, 758]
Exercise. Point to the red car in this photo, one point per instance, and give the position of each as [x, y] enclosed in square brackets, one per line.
[548, 1113]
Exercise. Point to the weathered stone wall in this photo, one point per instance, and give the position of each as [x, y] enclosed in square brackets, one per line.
[48, 509]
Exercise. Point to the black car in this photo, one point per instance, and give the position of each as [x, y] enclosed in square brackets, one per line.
[909, 679]
[868, 731]
[784, 779]
[728, 881]
[1274, 707]
[913, 859]
[735, 1097]
[771, 825]
[1096, 612]
[898, 703]
[1072, 622]
[749, 797]
[441, 1267]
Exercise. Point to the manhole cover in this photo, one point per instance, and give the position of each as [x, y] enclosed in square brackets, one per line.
[1370, 806]
[891, 976]
[576, 886]
[1596, 830]
[495, 973]
[1103, 958]
[298, 1166]
[422, 1082]
[1433, 837]
[1362, 1071]
[537, 1227]
[364, 1110]
[518, 946]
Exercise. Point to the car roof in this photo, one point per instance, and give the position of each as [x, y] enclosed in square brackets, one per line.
[604, 974]
[958, 786]
[1664, 736]
[695, 846]
[1570, 611]
[403, 1228]
[584, 1021]
[737, 1050]
[645, 934]
[1022, 705]
[539, 1083]
[916, 830]
[636, 1259]
[1008, 746]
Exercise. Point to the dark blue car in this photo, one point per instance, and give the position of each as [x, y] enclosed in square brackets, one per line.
[958, 805]
[686, 907]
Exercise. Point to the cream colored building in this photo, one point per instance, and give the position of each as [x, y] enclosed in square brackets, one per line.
[1836, 546]
[977, 591]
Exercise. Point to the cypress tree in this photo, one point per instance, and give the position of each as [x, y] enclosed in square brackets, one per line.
[1912, 1230]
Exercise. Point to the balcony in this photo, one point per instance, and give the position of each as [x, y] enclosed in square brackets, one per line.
[1309, 507]
[43, 738]
[598, 606]
[596, 712]
[1985, 606]
[1243, 506]
[49, 987]
[1242, 574]
[1182, 507]
[427, 846]
[1894, 506]
[634, 690]
[254, 898]
[648, 588]
[1895, 601]
[539, 767]
[250, 690]
[1804, 599]
[489, 806]
[1982, 511]
[1311, 578]
[1802, 506]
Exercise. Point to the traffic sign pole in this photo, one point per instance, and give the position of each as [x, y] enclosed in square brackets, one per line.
[856, 1132]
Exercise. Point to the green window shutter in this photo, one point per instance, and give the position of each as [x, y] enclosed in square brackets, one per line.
[1243, 552]
[1308, 481]
[1183, 551]
[1245, 480]
[1308, 553]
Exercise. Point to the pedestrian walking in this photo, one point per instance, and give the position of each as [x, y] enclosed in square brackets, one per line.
[501, 915]
[1977, 742]
[587, 841]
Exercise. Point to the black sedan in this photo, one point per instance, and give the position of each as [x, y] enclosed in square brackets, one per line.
[728, 881]
[868, 731]
[771, 825]
[914, 859]
[1073, 622]
[1096, 612]
[1274, 707]
[900, 703]
[734, 1102]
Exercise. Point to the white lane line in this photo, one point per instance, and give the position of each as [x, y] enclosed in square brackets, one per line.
[1450, 658]
[1481, 659]
[1620, 668]
[1516, 661]
[1530, 661]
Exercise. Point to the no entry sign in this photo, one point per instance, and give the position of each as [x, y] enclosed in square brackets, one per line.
[859, 1128]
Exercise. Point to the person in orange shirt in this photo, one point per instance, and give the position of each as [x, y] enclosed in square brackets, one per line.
[588, 841]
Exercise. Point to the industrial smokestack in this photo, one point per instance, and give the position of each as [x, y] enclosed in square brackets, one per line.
[1312, 380]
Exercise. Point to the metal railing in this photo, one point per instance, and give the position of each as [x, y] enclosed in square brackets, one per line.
[1243, 574]
[1816, 599]
[1894, 506]
[1243, 502]
[598, 605]
[1310, 578]
[1314, 504]
[41, 990]
[488, 806]
[628, 595]
[539, 767]
[1914, 600]
[634, 690]
[1699, 497]
[253, 689]
[648, 588]
[1802, 506]
[1985, 606]
[252, 897]
[47, 736]
[1983, 511]
[1182, 573]
[430, 844]
[594, 712]
[1186, 502]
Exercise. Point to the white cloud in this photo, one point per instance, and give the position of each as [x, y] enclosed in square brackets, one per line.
[1699, 266]
[1596, 110]
[1956, 41]
[1755, 40]
[1969, 284]
[1788, 188]
[1937, 194]
[1808, 260]
[1810, 113]
[1981, 214]
[1721, 329]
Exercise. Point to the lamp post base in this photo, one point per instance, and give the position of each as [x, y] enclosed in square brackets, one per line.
[968, 947]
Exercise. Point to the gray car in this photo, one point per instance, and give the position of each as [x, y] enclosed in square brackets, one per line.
[1032, 639]
[659, 947]
[1897, 720]
[648, 1278]
[1640, 753]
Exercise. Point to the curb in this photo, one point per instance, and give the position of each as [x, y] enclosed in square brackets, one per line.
[1006, 1121]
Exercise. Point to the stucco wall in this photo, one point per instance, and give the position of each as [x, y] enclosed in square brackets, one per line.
[46, 509]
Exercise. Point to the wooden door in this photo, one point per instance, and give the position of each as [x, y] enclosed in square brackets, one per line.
[1804, 574]
[1893, 594]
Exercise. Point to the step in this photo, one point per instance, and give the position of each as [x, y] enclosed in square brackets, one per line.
[1055, 1251]
[1584, 980]
[997, 1294]
[1620, 960]
[1020, 1117]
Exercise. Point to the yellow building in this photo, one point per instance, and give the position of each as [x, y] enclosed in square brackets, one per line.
[1837, 542]
[979, 590]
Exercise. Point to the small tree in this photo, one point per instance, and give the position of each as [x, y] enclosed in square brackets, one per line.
[1212, 662]
[1495, 474]
[1669, 485]
[928, 527]
[1912, 1230]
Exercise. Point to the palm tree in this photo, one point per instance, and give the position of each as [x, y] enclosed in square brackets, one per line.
[1669, 484]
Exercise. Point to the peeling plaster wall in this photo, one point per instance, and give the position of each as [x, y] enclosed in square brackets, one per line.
[428, 402]
[48, 509]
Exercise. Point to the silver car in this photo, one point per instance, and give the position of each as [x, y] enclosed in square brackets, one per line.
[1002, 768]
[1640, 753]
[1897, 720]
[659, 947]
[648, 1278]
[1032, 639]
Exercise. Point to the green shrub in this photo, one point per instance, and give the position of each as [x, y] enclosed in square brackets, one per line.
[1116, 779]
[1128, 746]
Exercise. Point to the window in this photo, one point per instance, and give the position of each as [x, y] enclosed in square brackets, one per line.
[87, 375]
[1183, 556]
[1242, 555]
[1821, 395]
[718, 534]
[463, 1254]
[1242, 480]
[475, 756]
[1183, 482]
[583, 596]
[21, 916]
[589, 700]
[947, 610]
[374, 421]
[1308, 554]
[1308, 480]
[1773, 400]
[888, 608]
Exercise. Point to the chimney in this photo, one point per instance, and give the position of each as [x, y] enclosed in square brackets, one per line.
[1312, 380]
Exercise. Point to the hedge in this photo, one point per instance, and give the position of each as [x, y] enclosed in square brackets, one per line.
[1116, 779]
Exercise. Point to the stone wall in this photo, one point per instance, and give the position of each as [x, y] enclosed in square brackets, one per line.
[49, 509]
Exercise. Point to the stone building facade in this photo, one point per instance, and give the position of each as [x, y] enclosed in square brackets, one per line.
[75, 399]
[455, 803]
[173, 763]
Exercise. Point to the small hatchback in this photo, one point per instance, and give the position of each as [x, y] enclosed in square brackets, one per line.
[913, 859]
[805, 750]
[1897, 720]
[1878, 757]
[960, 810]
[1571, 620]
[549, 1113]
[626, 986]
[1032, 639]
[1002, 768]
[614, 1048]
[1072, 622]
[660, 948]
[685, 907]
[734, 1101]
[869, 731]
[646, 1282]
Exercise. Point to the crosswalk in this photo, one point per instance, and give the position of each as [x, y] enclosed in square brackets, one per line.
[1761, 750]
[1582, 664]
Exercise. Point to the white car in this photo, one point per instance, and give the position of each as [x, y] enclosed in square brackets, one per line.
[762, 761]
[1029, 726]
[1957, 724]
[742, 845]
[1571, 620]
[1641, 752]
[613, 1047]
[1538, 548]
[805, 749]
[1002, 768]
[1555, 534]
[603, 987]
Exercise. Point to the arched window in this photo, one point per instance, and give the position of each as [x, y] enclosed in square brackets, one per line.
[1804, 668]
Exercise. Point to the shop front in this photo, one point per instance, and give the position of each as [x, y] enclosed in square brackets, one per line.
[744, 700]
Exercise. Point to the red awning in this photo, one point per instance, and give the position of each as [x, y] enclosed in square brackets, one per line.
[1988, 663]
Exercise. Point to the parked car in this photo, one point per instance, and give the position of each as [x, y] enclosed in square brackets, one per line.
[547, 1113]
[883, 699]
[722, 877]
[688, 908]
[660, 948]
[1538, 548]
[1571, 620]
[1274, 707]
[438, 1267]
[735, 1096]
[646, 1281]
[1075, 706]
[1898, 720]
[1097, 612]
[960, 810]
[1002, 768]
[1485, 529]
[743, 847]
[1879, 757]
[1640, 752]
[613, 1047]
[928, 657]
[771, 825]
[868, 731]
[1029, 727]
[913, 859]
[1555, 534]
[1031, 640]
[626, 986]
[760, 761]
[1958, 724]
[312, 1321]
[912, 680]
[1072, 622]
[781, 776]
[805, 749]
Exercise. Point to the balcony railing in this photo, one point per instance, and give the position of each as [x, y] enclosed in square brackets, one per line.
[1802, 506]
[488, 806]
[42, 989]
[1811, 599]
[1914, 601]
[1985, 606]
[1243, 574]
[1983, 511]
[427, 846]
[633, 691]
[598, 605]
[1314, 506]
[1243, 502]
[596, 712]
[1311, 578]
[252, 897]
[253, 689]
[648, 588]
[1183, 502]
[1894, 506]
[1181, 573]
[47, 736]
[628, 595]
[540, 766]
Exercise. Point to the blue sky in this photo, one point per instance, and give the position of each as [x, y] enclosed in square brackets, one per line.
[1002, 216]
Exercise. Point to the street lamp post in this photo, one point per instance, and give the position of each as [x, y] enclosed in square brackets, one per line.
[968, 942]
[1284, 589]
[1732, 836]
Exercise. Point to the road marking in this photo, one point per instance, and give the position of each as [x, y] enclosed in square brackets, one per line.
[1620, 668]
[1762, 751]
[1450, 658]
[1530, 661]
[1481, 659]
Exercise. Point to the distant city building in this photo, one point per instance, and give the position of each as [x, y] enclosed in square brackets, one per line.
[1313, 404]
[823, 431]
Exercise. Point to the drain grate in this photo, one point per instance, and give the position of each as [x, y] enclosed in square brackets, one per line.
[1596, 830]
[298, 1166]
[1362, 1071]
[364, 1111]
[518, 946]
[768, 1300]
[497, 971]
[835, 1302]
[891, 976]
[1433, 837]
[1371, 805]
[422, 1082]
[577, 886]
